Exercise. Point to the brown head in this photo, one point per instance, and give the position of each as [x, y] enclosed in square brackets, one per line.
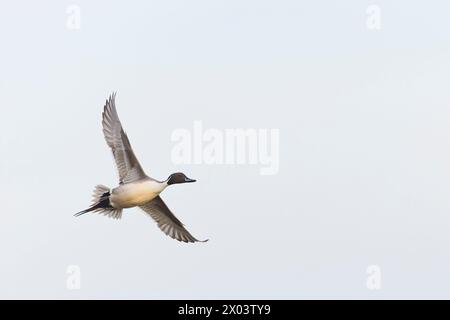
[178, 177]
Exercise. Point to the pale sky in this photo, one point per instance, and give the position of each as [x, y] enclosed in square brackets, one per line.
[364, 158]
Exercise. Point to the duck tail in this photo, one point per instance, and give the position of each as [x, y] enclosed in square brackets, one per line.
[101, 203]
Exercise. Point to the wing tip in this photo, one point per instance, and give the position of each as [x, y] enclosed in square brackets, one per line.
[110, 100]
[190, 239]
[194, 240]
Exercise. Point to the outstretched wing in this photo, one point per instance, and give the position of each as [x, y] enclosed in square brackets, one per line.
[167, 221]
[127, 164]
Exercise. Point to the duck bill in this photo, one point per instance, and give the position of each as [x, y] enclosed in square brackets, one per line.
[189, 180]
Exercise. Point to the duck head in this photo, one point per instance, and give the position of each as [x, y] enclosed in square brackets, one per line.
[178, 177]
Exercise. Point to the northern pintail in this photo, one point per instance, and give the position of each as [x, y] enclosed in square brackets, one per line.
[135, 189]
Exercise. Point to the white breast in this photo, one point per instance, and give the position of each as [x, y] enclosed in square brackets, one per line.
[136, 193]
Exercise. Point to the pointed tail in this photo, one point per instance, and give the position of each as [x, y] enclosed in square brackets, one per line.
[93, 208]
[100, 200]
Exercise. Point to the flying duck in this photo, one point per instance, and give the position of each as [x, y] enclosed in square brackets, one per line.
[135, 189]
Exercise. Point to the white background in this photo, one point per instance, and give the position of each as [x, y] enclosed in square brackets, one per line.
[364, 124]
